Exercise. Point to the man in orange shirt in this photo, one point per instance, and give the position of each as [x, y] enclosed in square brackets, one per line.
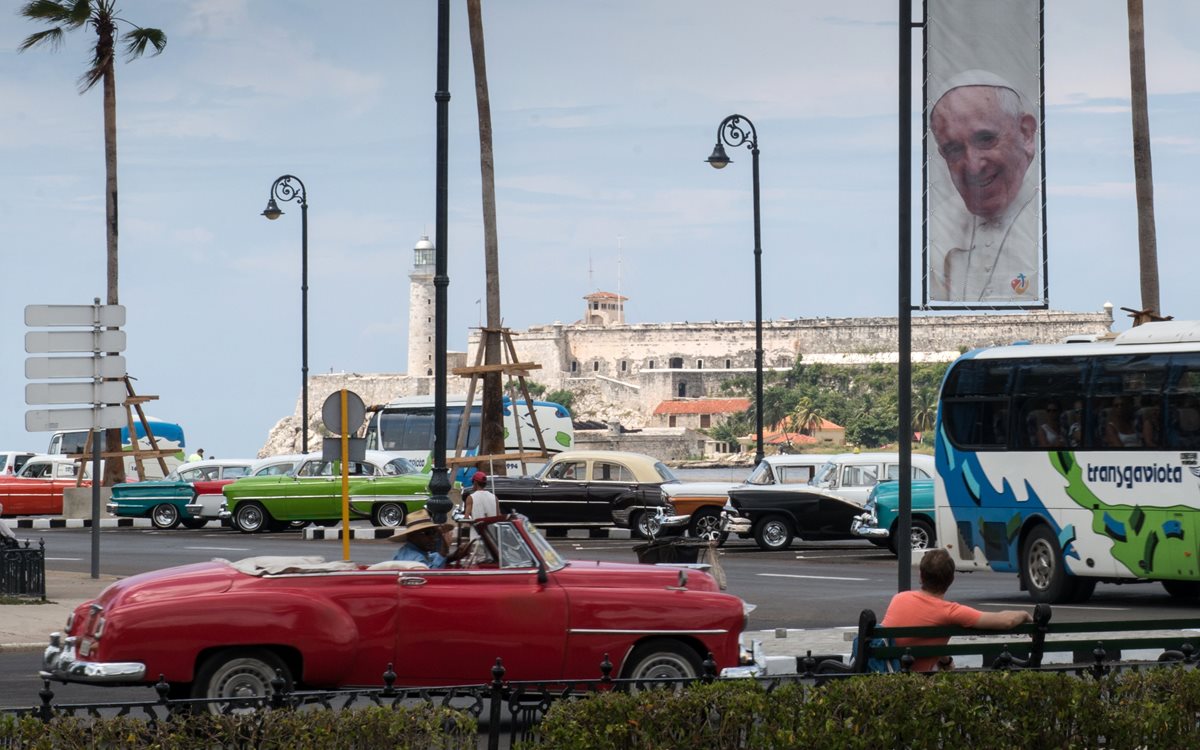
[929, 606]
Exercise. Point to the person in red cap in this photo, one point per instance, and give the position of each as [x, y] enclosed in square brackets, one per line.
[481, 503]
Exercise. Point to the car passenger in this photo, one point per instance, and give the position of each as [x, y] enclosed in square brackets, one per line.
[929, 606]
[424, 541]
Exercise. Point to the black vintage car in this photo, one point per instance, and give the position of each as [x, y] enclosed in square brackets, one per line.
[777, 514]
[590, 488]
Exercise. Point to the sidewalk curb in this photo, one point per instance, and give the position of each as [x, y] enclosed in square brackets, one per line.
[79, 523]
[15, 648]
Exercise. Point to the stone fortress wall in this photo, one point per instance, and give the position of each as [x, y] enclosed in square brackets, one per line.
[620, 372]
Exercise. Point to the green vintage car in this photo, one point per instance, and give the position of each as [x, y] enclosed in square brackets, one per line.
[313, 493]
[878, 523]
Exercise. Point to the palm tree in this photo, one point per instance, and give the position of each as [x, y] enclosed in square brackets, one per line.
[101, 17]
[807, 417]
[1142, 173]
[924, 409]
[492, 415]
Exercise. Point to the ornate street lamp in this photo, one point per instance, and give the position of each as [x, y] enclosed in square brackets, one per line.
[439, 504]
[284, 191]
[733, 132]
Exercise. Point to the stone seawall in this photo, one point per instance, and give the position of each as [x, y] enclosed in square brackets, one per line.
[621, 372]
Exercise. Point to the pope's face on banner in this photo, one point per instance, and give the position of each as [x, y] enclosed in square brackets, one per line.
[987, 144]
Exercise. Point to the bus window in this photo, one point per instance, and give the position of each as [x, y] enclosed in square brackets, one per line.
[1183, 403]
[975, 403]
[1040, 389]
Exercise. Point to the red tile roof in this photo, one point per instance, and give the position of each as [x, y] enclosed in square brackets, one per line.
[784, 438]
[703, 406]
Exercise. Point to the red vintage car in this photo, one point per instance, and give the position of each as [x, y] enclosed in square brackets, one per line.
[38, 487]
[222, 629]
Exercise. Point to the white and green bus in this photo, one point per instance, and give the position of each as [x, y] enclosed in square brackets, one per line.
[1071, 464]
[404, 428]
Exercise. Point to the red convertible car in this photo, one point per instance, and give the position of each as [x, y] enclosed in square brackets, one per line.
[221, 629]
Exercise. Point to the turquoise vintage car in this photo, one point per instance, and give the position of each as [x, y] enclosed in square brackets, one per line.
[313, 493]
[165, 502]
[878, 523]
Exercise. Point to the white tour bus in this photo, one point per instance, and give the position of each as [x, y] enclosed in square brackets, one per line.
[1075, 463]
[405, 428]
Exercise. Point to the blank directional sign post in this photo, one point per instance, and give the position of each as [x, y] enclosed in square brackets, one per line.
[94, 379]
[102, 392]
[56, 342]
[49, 368]
[99, 379]
[74, 316]
[53, 420]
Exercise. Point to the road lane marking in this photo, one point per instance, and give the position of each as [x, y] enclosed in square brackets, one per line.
[819, 578]
[68, 559]
[840, 557]
[222, 549]
[1057, 606]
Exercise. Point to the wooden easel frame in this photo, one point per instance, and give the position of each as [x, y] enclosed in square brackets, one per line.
[133, 403]
[511, 367]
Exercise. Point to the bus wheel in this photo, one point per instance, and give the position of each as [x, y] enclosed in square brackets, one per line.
[1043, 573]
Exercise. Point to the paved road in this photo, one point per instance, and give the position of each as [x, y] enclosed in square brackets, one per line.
[812, 585]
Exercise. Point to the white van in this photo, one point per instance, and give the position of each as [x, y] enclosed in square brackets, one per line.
[853, 475]
[12, 461]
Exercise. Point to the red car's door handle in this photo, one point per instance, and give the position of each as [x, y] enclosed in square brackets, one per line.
[412, 581]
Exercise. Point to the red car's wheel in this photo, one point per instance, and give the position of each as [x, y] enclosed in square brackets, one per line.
[239, 673]
[661, 658]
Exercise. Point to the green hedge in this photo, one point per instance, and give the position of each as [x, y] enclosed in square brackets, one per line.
[410, 728]
[1156, 708]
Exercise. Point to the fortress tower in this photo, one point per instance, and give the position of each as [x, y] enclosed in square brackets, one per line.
[420, 310]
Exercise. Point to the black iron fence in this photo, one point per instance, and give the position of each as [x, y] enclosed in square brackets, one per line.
[507, 710]
[22, 568]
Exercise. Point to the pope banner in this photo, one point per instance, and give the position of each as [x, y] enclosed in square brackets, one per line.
[985, 225]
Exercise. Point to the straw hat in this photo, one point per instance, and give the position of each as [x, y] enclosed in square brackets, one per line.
[418, 520]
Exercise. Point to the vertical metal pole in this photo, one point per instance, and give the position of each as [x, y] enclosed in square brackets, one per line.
[758, 324]
[904, 523]
[345, 433]
[439, 483]
[304, 319]
[97, 436]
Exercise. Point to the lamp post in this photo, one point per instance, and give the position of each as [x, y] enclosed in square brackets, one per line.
[283, 190]
[439, 504]
[735, 131]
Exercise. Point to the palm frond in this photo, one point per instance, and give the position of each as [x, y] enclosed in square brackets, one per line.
[49, 11]
[94, 74]
[81, 10]
[137, 40]
[50, 37]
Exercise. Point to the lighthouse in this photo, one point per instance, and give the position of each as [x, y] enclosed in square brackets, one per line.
[420, 311]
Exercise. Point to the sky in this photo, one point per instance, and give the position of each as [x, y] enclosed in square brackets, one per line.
[603, 114]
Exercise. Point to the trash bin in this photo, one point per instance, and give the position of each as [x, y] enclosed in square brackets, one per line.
[676, 550]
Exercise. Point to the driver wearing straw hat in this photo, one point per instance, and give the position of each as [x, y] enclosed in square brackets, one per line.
[422, 541]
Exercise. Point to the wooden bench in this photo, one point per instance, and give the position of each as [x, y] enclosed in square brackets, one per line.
[1024, 646]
